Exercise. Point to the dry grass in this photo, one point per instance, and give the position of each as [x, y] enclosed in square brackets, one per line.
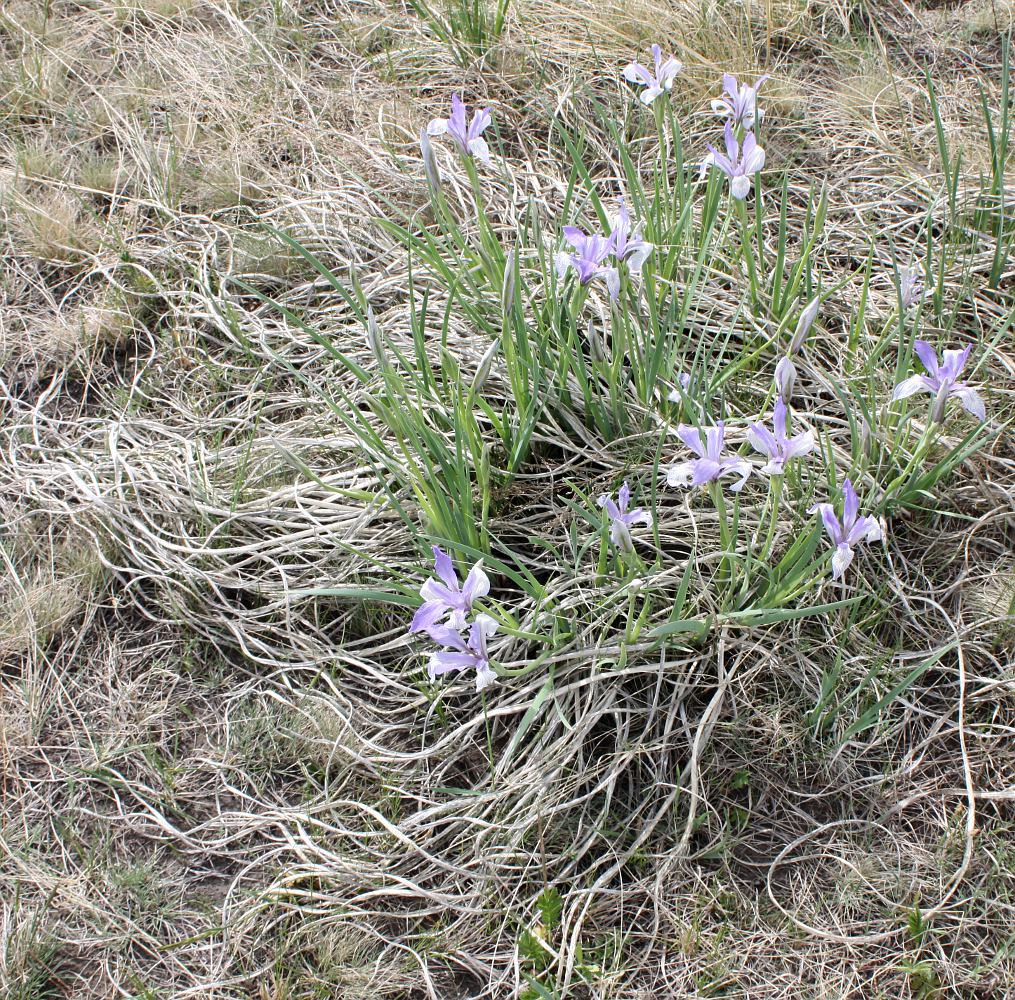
[215, 786]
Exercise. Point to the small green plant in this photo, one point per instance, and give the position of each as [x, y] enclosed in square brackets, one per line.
[468, 27]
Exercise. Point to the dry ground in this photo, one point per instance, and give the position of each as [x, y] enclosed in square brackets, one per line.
[213, 786]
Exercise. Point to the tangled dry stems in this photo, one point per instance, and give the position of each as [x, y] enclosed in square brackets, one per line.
[217, 785]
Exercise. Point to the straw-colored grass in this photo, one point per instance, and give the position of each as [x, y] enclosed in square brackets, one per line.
[213, 785]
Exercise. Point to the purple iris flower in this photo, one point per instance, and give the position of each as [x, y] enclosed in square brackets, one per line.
[739, 103]
[785, 377]
[684, 378]
[627, 242]
[941, 381]
[711, 464]
[587, 260]
[911, 289]
[467, 136]
[621, 519]
[463, 654]
[776, 443]
[446, 600]
[803, 325]
[850, 531]
[656, 83]
[739, 164]
[433, 174]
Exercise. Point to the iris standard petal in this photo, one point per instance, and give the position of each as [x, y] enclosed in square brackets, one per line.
[927, 355]
[754, 159]
[480, 120]
[691, 436]
[715, 440]
[732, 146]
[624, 497]
[850, 505]
[477, 584]
[434, 591]
[762, 440]
[668, 72]
[444, 567]
[953, 361]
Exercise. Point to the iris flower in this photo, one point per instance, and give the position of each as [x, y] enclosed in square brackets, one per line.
[588, 259]
[621, 519]
[467, 135]
[911, 289]
[776, 443]
[656, 83]
[739, 103]
[739, 164]
[463, 654]
[785, 377]
[803, 325]
[711, 464]
[446, 600]
[848, 532]
[433, 174]
[684, 378]
[627, 242]
[941, 381]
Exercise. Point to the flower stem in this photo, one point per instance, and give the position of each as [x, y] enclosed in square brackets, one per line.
[747, 250]
[775, 496]
[724, 529]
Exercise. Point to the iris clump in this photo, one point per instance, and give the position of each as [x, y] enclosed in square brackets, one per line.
[534, 339]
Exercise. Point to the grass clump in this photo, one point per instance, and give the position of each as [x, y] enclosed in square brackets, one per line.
[283, 378]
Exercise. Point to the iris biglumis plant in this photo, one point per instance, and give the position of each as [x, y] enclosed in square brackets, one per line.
[916, 472]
